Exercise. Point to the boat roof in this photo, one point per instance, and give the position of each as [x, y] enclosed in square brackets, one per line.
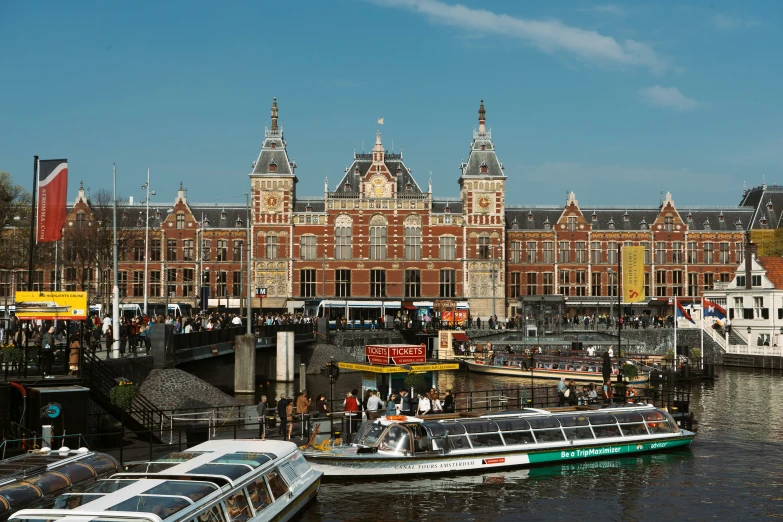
[569, 411]
[388, 421]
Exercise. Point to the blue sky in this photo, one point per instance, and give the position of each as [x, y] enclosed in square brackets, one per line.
[616, 102]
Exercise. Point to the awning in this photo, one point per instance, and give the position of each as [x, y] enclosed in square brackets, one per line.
[410, 307]
[408, 368]
[459, 336]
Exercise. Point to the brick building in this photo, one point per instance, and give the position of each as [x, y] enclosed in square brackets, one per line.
[382, 236]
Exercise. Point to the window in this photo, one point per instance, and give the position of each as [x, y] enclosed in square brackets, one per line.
[171, 250]
[709, 280]
[660, 252]
[307, 249]
[547, 253]
[413, 237]
[307, 283]
[755, 280]
[155, 283]
[122, 282]
[581, 283]
[171, 282]
[270, 246]
[138, 250]
[758, 306]
[222, 250]
[377, 283]
[677, 252]
[740, 281]
[693, 284]
[342, 237]
[221, 284]
[515, 285]
[412, 283]
[660, 282]
[378, 238]
[739, 251]
[516, 252]
[154, 249]
[724, 256]
[562, 252]
[668, 223]
[81, 220]
[708, 254]
[236, 283]
[448, 283]
[611, 252]
[595, 252]
[206, 250]
[549, 283]
[677, 282]
[138, 283]
[342, 282]
[188, 278]
[448, 248]
[532, 283]
[565, 281]
[239, 251]
[595, 283]
[530, 252]
[646, 245]
[571, 223]
[180, 221]
[612, 280]
[692, 255]
[581, 252]
[647, 284]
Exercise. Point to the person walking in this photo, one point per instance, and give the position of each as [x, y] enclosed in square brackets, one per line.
[281, 412]
[262, 411]
[289, 418]
[47, 353]
[75, 349]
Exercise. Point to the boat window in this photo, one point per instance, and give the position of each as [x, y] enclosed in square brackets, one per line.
[101, 463]
[550, 435]
[259, 494]
[485, 440]
[192, 489]
[213, 514]
[372, 434]
[575, 420]
[181, 456]
[50, 482]
[157, 467]
[237, 507]
[77, 472]
[518, 437]
[277, 485]
[454, 428]
[512, 424]
[659, 422]
[397, 438]
[232, 471]
[299, 464]
[164, 507]
[458, 442]
[635, 428]
[609, 430]
[540, 423]
[34, 519]
[251, 459]
[480, 426]
[629, 417]
[74, 500]
[108, 486]
[578, 433]
[435, 429]
[597, 420]
[19, 493]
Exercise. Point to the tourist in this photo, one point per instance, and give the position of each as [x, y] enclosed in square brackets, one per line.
[262, 409]
[351, 409]
[608, 397]
[592, 395]
[47, 353]
[448, 402]
[73, 356]
[321, 407]
[630, 395]
[302, 408]
[424, 405]
[405, 402]
[437, 408]
[561, 389]
[572, 394]
[374, 404]
[391, 406]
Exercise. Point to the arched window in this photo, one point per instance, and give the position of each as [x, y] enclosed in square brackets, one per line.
[378, 237]
[483, 246]
[342, 237]
[270, 246]
[413, 237]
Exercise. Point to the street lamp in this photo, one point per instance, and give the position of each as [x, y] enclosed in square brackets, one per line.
[146, 201]
[749, 331]
[611, 301]
[493, 283]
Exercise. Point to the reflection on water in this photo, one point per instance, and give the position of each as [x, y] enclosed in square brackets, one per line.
[731, 471]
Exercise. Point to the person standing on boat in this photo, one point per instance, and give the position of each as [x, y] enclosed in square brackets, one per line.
[424, 405]
[606, 371]
[561, 388]
[572, 394]
[608, 397]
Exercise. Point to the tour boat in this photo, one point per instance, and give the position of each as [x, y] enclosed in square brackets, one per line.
[588, 369]
[402, 445]
[217, 481]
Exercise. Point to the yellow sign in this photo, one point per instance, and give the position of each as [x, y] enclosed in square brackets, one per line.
[51, 305]
[397, 369]
[633, 274]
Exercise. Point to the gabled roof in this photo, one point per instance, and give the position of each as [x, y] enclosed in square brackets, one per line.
[273, 158]
[773, 265]
[482, 160]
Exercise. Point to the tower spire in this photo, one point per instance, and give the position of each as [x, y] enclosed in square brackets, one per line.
[274, 114]
[482, 117]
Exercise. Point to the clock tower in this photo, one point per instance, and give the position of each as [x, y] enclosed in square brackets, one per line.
[482, 191]
[273, 190]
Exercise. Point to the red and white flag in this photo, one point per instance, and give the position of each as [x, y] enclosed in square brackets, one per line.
[52, 199]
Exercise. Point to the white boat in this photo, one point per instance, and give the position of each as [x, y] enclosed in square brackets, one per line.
[217, 481]
[410, 445]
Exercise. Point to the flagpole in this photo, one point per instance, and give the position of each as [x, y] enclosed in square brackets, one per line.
[115, 330]
[674, 353]
[701, 353]
[32, 226]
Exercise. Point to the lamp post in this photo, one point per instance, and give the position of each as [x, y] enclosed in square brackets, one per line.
[493, 283]
[749, 331]
[146, 187]
[13, 269]
[611, 301]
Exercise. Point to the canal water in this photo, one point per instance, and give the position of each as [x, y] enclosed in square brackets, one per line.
[732, 471]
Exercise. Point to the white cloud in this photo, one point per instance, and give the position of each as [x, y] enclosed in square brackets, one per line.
[548, 35]
[609, 8]
[732, 23]
[670, 97]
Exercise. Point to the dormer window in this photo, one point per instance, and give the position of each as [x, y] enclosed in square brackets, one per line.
[689, 217]
[514, 224]
[273, 145]
[408, 187]
[643, 224]
[139, 222]
[721, 218]
[206, 222]
[399, 170]
[239, 223]
[447, 210]
[769, 205]
[347, 187]
[356, 170]
[626, 217]
[308, 208]
[611, 223]
[483, 147]
[483, 167]
[707, 225]
[529, 215]
[594, 217]
[738, 224]
[223, 215]
[272, 166]
[157, 215]
[763, 222]
[547, 224]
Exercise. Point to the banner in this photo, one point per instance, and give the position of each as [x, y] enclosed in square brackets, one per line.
[52, 199]
[633, 274]
[51, 305]
[395, 353]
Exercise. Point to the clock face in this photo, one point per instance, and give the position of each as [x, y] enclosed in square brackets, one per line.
[484, 202]
[272, 200]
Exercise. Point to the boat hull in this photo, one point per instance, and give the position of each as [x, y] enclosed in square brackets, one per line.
[538, 373]
[374, 465]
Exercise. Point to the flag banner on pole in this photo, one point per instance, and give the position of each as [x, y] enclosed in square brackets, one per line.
[682, 312]
[714, 310]
[52, 199]
[633, 274]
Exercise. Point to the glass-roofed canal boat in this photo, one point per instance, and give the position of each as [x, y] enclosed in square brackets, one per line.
[217, 481]
[402, 445]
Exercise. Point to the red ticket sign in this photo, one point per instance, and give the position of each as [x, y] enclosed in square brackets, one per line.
[395, 353]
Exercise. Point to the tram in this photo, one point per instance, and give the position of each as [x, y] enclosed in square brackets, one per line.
[217, 481]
